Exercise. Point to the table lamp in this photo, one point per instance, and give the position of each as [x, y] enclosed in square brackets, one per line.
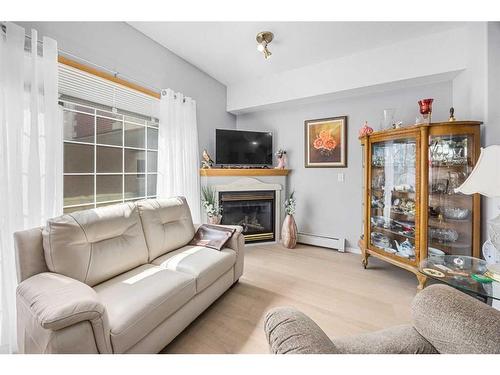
[485, 180]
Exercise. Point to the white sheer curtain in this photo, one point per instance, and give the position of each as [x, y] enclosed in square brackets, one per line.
[30, 154]
[178, 154]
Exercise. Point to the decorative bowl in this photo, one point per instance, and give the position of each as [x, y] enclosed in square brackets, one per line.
[455, 213]
[435, 252]
[443, 235]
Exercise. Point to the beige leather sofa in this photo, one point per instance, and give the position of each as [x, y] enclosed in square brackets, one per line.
[117, 279]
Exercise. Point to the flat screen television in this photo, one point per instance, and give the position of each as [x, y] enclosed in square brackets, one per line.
[241, 147]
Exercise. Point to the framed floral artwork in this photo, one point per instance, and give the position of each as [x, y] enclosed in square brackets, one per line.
[326, 142]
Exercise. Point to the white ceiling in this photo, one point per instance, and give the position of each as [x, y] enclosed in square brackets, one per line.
[227, 50]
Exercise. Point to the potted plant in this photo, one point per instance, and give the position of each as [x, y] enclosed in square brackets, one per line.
[289, 230]
[209, 203]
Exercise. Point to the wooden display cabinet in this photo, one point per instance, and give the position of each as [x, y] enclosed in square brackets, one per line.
[410, 208]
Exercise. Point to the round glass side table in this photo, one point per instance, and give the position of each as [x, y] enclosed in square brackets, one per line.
[457, 271]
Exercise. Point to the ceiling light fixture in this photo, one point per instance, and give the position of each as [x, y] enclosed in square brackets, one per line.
[263, 39]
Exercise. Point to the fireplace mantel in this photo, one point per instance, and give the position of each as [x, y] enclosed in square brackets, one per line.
[244, 172]
[248, 184]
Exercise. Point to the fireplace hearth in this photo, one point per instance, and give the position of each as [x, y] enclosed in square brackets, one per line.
[253, 210]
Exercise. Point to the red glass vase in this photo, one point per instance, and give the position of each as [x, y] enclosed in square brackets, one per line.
[425, 106]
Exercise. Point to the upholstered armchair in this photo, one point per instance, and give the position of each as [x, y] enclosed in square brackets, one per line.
[444, 320]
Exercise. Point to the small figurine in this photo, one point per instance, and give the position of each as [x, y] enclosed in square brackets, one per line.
[440, 218]
[207, 161]
[452, 115]
[397, 125]
[281, 156]
[365, 130]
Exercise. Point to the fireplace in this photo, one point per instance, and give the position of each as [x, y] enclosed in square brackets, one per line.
[253, 210]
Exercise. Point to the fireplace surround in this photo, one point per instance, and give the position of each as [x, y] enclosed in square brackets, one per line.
[261, 187]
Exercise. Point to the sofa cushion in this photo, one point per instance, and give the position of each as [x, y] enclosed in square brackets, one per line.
[167, 224]
[139, 300]
[205, 264]
[95, 245]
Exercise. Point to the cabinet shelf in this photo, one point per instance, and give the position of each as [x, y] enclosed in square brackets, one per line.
[392, 233]
[394, 193]
[449, 245]
[386, 165]
[402, 158]
[450, 224]
[402, 217]
[451, 166]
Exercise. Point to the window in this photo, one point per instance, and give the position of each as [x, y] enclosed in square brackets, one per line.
[109, 156]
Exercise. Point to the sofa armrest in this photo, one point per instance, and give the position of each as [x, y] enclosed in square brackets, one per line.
[454, 322]
[57, 301]
[234, 242]
[289, 331]
[237, 243]
[403, 339]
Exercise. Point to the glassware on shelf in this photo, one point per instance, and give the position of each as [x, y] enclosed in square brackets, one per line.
[443, 235]
[448, 152]
[388, 118]
[450, 214]
[404, 206]
[392, 219]
[455, 213]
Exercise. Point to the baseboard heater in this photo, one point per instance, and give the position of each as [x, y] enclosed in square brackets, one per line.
[323, 241]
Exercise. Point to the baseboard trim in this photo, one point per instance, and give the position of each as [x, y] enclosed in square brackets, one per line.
[353, 250]
[330, 242]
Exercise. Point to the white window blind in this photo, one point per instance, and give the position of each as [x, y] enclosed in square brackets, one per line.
[79, 84]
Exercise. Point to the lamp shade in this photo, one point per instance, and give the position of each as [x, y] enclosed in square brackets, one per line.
[485, 177]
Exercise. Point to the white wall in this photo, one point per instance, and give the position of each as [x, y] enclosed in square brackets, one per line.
[467, 58]
[429, 56]
[470, 87]
[326, 206]
[491, 132]
[120, 47]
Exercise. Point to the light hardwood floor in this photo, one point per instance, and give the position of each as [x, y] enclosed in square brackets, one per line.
[331, 287]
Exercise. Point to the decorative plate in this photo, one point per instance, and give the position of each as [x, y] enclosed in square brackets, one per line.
[433, 272]
[390, 250]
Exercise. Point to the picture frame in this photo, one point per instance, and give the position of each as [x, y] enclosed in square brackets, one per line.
[325, 142]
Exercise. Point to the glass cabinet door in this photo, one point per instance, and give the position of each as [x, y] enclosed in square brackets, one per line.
[451, 161]
[393, 197]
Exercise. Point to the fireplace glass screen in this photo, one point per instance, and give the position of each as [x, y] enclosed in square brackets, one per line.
[254, 211]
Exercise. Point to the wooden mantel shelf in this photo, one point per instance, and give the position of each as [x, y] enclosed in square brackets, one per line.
[213, 172]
